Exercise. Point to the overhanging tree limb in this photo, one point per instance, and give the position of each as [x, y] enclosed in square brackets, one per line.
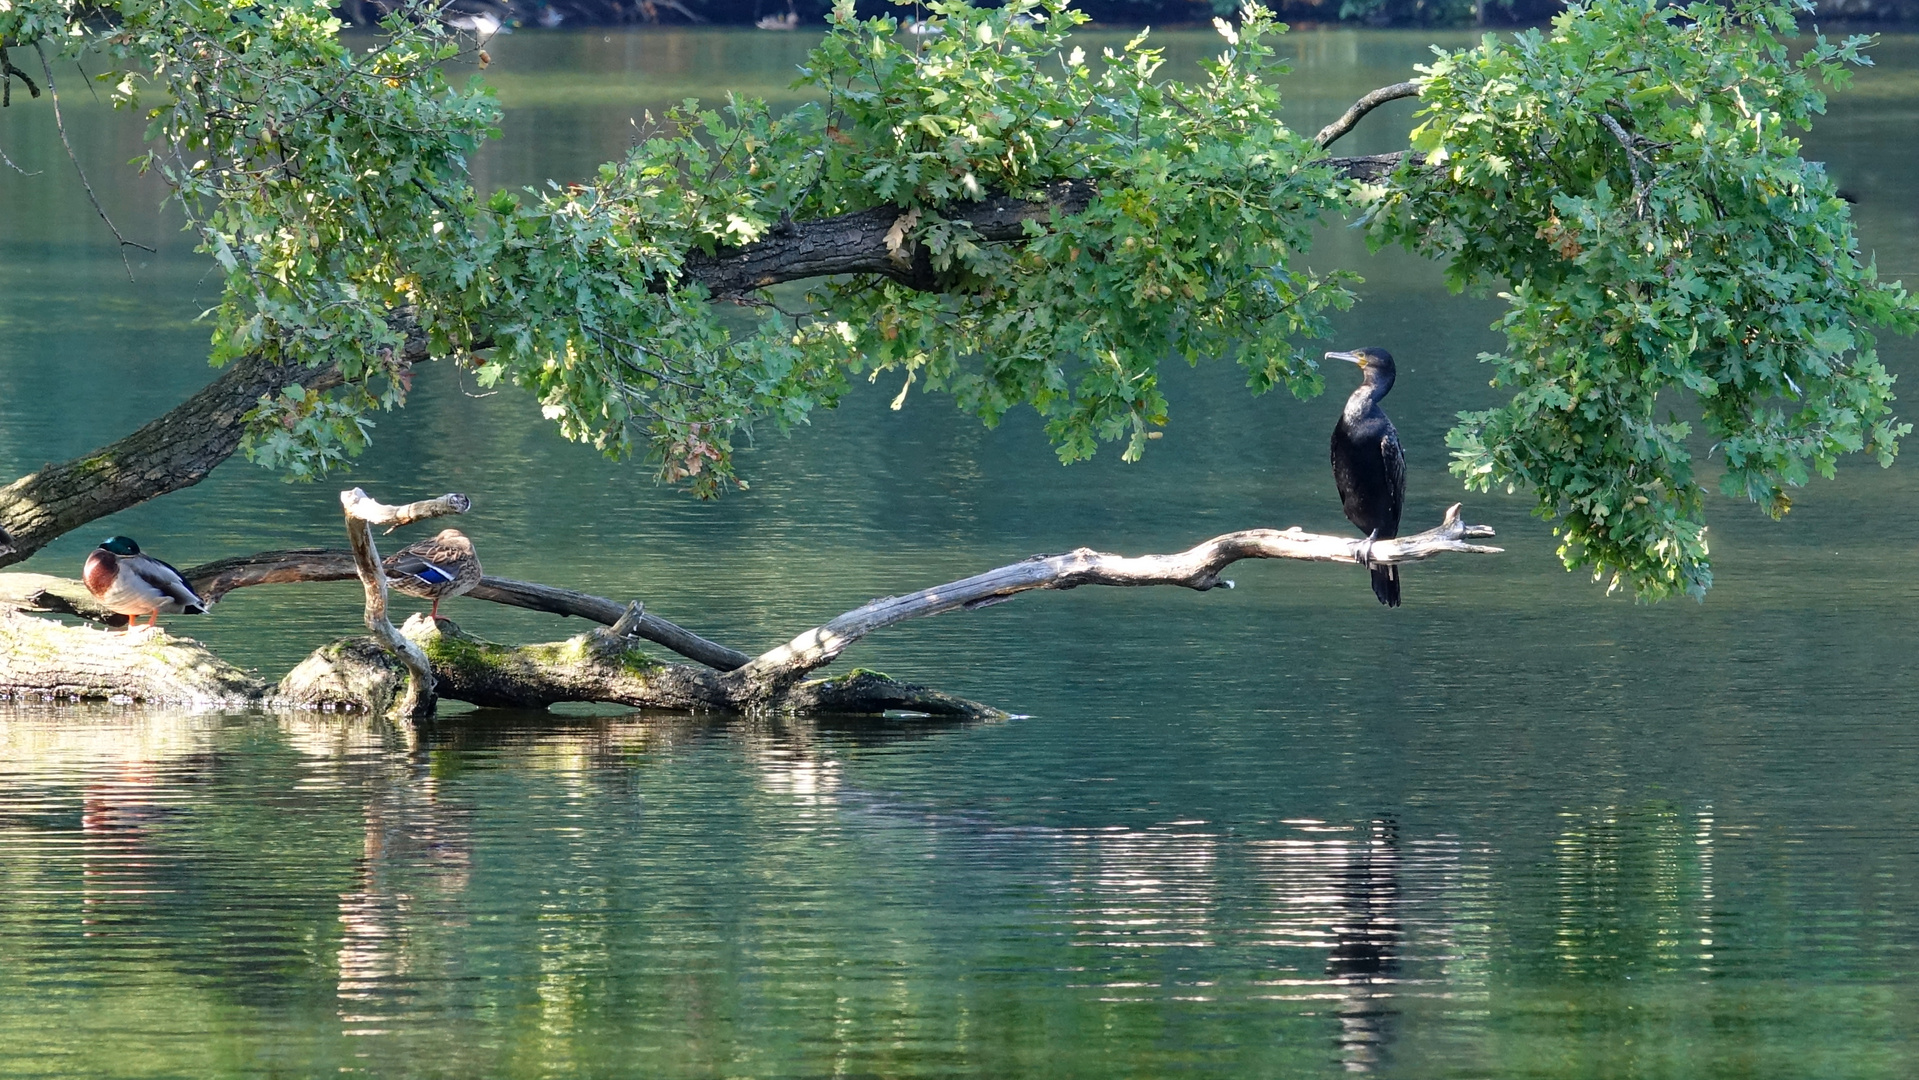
[180, 448]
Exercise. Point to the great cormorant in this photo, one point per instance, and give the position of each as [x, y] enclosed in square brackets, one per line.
[1368, 465]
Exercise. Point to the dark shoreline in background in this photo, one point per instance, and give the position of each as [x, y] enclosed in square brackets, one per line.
[1163, 13]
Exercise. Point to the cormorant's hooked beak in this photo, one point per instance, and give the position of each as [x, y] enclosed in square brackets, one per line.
[1351, 358]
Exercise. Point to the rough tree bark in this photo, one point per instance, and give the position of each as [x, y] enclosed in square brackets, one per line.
[176, 451]
[607, 665]
[180, 448]
[43, 660]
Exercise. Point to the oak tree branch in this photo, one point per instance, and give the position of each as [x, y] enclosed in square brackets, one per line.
[1348, 120]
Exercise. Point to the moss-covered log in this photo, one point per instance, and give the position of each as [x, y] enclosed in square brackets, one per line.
[598, 665]
[42, 658]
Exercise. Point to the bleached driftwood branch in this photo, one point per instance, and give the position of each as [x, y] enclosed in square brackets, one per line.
[362, 507]
[362, 512]
[1197, 567]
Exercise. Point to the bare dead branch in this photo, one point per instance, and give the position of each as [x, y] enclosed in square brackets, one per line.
[360, 505]
[1333, 131]
[1196, 568]
[660, 631]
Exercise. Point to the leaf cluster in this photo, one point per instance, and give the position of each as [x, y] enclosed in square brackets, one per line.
[1631, 176]
[1202, 200]
[1199, 200]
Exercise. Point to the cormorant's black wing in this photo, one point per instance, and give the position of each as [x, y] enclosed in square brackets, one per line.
[1394, 458]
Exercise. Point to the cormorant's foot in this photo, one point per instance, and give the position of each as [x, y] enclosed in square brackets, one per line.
[1366, 549]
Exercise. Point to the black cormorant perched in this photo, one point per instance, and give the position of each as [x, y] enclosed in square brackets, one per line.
[1368, 465]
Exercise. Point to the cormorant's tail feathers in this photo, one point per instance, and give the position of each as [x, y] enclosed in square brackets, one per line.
[1386, 585]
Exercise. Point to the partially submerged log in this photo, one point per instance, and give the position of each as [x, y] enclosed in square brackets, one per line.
[599, 665]
[47, 660]
[606, 664]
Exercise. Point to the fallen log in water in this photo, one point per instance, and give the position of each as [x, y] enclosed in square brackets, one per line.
[47, 660]
[599, 665]
[604, 664]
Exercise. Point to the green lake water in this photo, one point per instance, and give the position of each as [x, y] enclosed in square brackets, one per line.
[1512, 829]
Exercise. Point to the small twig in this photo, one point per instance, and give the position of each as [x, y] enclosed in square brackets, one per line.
[8, 162]
[1632, 162]
[7, 74]
[1331, 132]
[60, 125]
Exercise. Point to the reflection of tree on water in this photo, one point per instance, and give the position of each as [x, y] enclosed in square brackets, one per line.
[1366, 940]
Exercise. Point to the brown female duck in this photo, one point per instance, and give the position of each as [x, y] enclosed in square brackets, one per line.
[435, 569]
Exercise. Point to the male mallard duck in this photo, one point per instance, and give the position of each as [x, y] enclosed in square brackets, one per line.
[435, 569]
[132, 584]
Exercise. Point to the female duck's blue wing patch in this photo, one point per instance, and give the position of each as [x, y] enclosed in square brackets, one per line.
[414, 566]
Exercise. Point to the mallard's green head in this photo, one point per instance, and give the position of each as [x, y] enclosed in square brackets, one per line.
[122, 546]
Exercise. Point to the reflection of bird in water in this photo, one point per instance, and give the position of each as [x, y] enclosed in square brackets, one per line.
[435, 569]
[1365, 944]
[1369, 467]
[788, 21]
[133, 584]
